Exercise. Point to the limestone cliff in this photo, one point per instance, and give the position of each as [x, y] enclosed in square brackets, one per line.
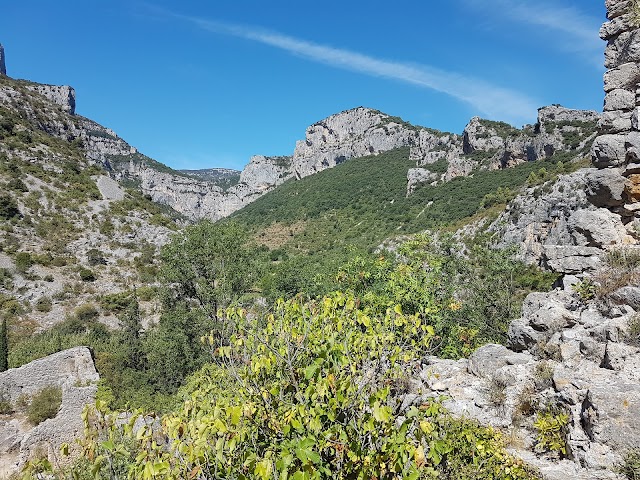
[3, 68]
[353, 133]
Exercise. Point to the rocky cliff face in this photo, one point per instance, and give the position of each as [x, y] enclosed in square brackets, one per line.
[486, 144]
[3, 67]
[74, 372]
[565, 355]
[617, 148]
[349, 134]
[64, 95]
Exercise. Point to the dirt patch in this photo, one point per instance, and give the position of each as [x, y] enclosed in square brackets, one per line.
[278, 234]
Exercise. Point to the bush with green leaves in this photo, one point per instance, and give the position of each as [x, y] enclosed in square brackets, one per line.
[8, 207]
[44, 404]
[87, 275]
[306, 392]
[552, 429]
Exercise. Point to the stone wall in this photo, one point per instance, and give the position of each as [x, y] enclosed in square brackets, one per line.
[616, 151]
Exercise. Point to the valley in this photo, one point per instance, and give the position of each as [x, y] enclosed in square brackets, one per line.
[387, 301]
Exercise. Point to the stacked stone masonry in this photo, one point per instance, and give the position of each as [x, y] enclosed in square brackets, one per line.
[617, 148]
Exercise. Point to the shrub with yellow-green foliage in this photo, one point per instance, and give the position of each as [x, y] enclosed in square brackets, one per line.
[310, 391]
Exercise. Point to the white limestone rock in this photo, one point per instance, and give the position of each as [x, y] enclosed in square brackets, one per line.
[64, 95]
[349, 134]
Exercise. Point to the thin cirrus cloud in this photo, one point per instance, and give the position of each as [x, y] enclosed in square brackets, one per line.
[578, 30]
[488, 99]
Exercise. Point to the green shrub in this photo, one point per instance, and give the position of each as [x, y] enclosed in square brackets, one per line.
[44, 404]
[630, 467]
[86, 313]
[632, 335]
[23, 262]
[320, 377]
[95, 257]
[87, 275]
[8, 207]
[43, 304]
[552, 428]
[17, 185]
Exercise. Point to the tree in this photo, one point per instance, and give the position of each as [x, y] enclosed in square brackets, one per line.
[209, 264]
[130, 334]
[4, 346]
[205, 268]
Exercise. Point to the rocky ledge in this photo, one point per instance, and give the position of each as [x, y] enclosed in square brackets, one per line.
[567, 356]
[74, 372]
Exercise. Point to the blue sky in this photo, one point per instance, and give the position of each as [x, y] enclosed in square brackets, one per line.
[200, 84]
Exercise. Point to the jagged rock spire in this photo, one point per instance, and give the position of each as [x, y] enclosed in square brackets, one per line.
[3, 68]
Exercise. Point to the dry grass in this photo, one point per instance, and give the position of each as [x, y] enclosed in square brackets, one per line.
[622, 268]
[279, 234]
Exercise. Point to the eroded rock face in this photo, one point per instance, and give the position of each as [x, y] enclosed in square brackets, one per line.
[349, 134]
[563, 353]
[3, 67]
[64, 95]
[618, 146]
[74, 372]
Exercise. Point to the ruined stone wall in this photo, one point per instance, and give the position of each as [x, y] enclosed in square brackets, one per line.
[616, 151]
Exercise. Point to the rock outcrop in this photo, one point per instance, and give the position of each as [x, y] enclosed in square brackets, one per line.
[353, 133]
[74, 372]
[3, 66]
[63, 95]
[487, 144]
[617, 149]
[564, 355]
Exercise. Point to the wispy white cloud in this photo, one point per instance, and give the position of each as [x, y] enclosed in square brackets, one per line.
[488, 99]
[580, 31]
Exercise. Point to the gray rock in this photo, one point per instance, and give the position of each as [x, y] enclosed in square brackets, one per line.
[615, 122]
[487, 359]
[571, 259]
[3, 67]
[600, 227]
[419, 176]
[521, 336]
[605, 188]
[619, 100]
[628, 295]
[616, 354]
[608, 150]
[349, 134]
[109, 188]
[532, 222]
[612, 28]
[64, 96]
[615, 8]
[74, 372]
[66, 368]
[625, 76]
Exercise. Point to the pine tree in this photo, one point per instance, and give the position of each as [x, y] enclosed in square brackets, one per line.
[4, 346]
[131, 328]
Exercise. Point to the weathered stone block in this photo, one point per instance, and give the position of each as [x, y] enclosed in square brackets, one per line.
[616, 26]
[608, 150]
[619, 100]
[615, 122]
[625, 76]
[605, 188]
[616, 8]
